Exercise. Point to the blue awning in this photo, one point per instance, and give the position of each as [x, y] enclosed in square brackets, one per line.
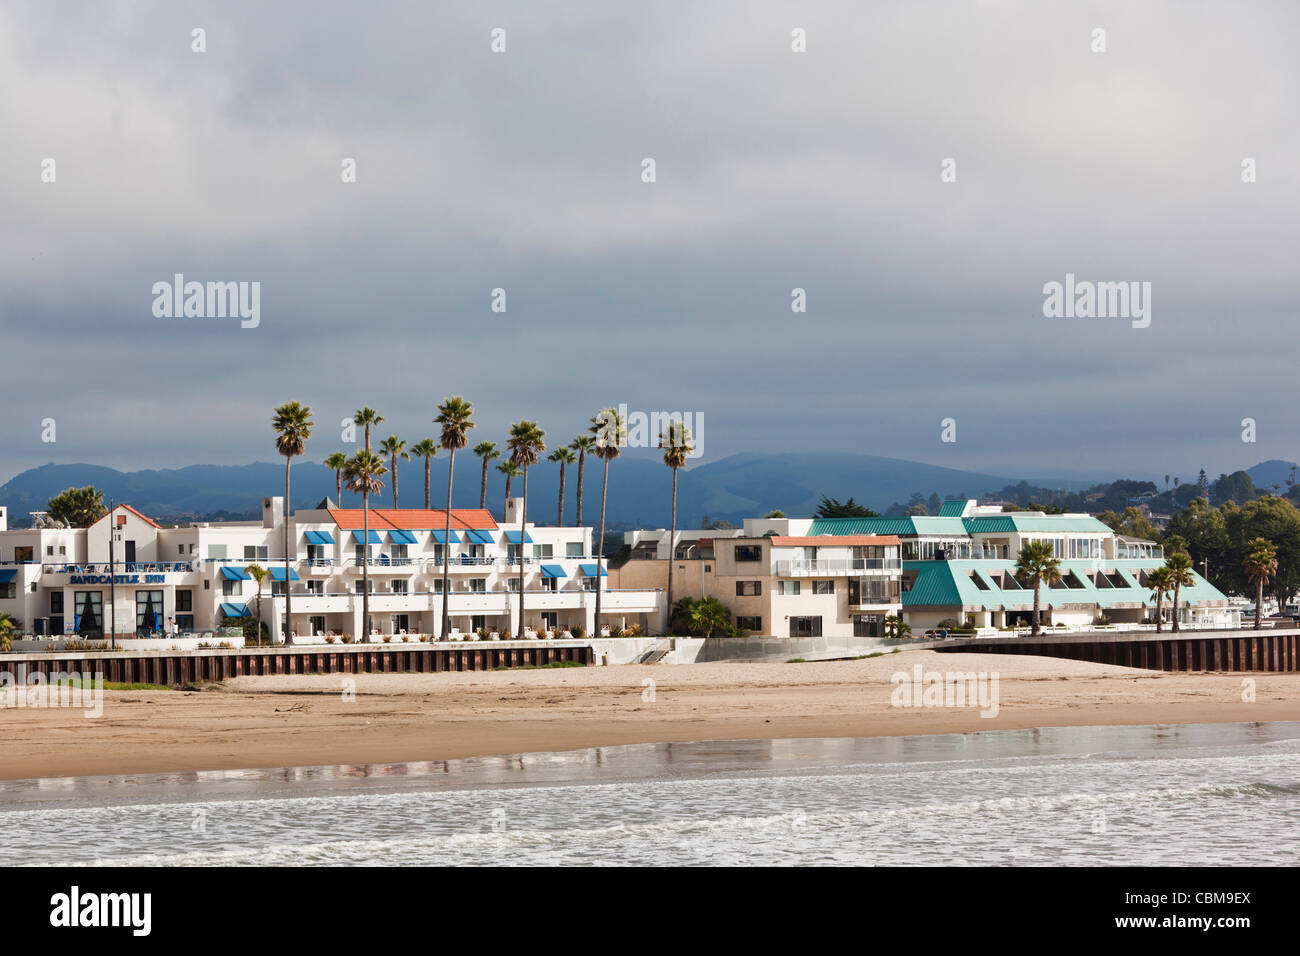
[360, 537]
[236, 610]
[320, 537]
[441, 537]
[8, 575]
[590, 570]
[513, 537]
[235, 574]
[553, 571]
[277, 574]
[478, 536]
[401, 536]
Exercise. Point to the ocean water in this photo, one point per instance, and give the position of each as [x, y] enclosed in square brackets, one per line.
[1211, 794]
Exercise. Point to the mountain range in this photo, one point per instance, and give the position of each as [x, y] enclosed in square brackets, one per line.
[731, 488]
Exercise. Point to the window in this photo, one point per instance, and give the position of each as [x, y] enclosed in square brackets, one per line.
[401, 587]
[277, 588]
[478, 622]
[868, 625]
[148, 611]
[550, 620]
[400, 623]
[749, 552]
[543, 551]
[399, 552]
[180, 549]
[550, 584]
[749, 623]
[512, 585]
[56, 602]
[63, 549]
[512, 553]
[232, 588]
[437, 585]
[316, 624]
[216, 552]
[823, 587]
[573, 549]
[708, 567]
[749, 588]
[805, 627]
[184, 602]
[9, 591]
[255, 552]
[315, 587]
[49, 550]
[88, 608]
[478, 585]
[360, 587]
[789, 587]
[185, 622]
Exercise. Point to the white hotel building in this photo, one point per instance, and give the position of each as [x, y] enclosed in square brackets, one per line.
[58, 581]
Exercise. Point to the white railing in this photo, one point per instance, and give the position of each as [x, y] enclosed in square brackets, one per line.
[839, 566]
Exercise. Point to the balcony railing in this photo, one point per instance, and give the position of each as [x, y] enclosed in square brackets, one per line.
[121, 567]
[840, 566]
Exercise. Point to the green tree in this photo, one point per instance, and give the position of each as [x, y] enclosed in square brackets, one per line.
[675, 440]
[455, 416]
[366, 417]
[9, 626]
[709, 615]
[364, 471]
[562, 456]
[260, 574]
[77, 507]
[292, 424]
[394, 448]
[1036, 564]
[1180, 576]
[609, 428]
[487, 450]
[1161, 582]
[896, 627]
[834, 508]
[425, 448]
[526, 442]
[582, 445]
[336, 462]
[1277, 521]
[1261, 564]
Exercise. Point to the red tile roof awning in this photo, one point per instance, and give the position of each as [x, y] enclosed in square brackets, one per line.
[833, 540]
[412, 519]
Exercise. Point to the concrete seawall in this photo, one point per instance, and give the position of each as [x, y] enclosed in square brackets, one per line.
[188, 666]
[1236, 650]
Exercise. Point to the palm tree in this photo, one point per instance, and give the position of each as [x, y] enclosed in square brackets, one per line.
[582, 444]
[709, 615]
[1161, 583]
[425, 448]
[487, 450]
[260, 574]
[292, 423]
[511, 471]
[1261, 564]
[8, 625]
[526, 442]
[364, 472]
[395, 448]
[337, 461]
[676, 443]
[562, 456]
[367, 416]
[454, 417]
[610, 431]
[1037, 564]
[1180, 576]
[77, 507]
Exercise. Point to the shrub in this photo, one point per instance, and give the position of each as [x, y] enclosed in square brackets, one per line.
[505, 635]
[347, 638]
[577, 631]
[388, 638]
[329, 638]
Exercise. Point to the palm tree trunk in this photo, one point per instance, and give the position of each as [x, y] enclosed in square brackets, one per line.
[446, 551]
[1175, 624]
[1259, 605]
[288, 597]
[582, 463]
[559, 517]
[507, 498]
[672, 551]
[1033, 628]
[482, 488]
[394, 481]
[600, 544]
[365, 567]
[1160, 600]
[523, 535]
[338, 486]
[426, 483]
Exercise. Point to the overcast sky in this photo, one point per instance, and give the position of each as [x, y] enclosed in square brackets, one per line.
[775, 170]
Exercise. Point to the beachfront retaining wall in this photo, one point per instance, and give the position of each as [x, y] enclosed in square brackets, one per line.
[180, 668]
[780, 649]
[1236, 650]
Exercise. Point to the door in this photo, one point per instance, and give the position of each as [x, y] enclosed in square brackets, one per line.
[130, 552]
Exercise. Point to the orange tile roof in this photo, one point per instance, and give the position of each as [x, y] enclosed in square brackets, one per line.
[142, 517]
[412, 519]
[833, 540]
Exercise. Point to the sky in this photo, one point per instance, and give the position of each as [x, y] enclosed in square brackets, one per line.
[775, 170]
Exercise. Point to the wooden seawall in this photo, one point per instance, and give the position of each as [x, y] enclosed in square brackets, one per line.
[1261, 651]
[181, 667]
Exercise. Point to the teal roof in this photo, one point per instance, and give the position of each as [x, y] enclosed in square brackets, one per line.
[917, 525]
[953, 526]
[1034, 524]
[949, 584]
[952, 508]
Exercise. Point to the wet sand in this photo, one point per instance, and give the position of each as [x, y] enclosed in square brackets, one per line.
[309, 720]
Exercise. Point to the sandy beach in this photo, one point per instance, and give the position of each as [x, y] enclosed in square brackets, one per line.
[308, 720]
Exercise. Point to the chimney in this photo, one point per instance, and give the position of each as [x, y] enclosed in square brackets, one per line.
[272, 512]
[514, 509]
[4, 520]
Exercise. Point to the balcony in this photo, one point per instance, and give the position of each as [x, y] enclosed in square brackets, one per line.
[842, 566]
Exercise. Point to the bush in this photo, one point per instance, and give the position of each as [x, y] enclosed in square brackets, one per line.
[347, 638]
[505, 635]
[578, 631]
[329, 638]
[388, 638]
